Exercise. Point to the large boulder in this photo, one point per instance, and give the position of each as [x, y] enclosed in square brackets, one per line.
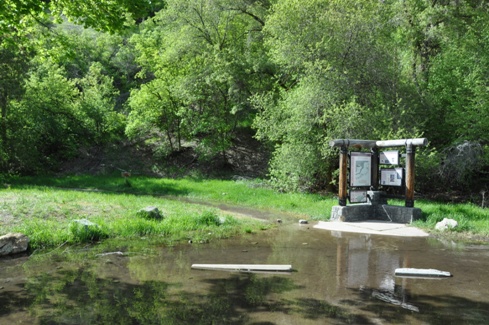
[13, 243]
[446, 224]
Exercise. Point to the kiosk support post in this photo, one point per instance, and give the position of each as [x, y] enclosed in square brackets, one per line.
[342, 193]
[375, 169]
[410, 152]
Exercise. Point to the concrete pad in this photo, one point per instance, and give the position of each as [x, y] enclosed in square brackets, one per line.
[373, 227]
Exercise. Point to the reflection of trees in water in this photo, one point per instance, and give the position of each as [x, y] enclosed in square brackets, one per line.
[442, 310]
[80, 297]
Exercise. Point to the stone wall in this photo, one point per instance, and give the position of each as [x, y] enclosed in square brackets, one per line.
[375, 209]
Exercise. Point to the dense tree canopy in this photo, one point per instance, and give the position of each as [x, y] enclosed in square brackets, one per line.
[294, 74]
[110, 15]
[205, 59]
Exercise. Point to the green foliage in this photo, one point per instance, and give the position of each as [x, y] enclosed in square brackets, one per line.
[13, 68]
[202, 56]
[110, 15]
[294, 167]
[340, 85]
[56, 116]
[155, 111]
[96, 106]
[458, 82]
[43, 125]
[427, 169]
[192, 73]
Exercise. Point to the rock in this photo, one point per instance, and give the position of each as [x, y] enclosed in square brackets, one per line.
[150, 213]
[85, 222]
[446, 224]
[13, 243]
[85, 230]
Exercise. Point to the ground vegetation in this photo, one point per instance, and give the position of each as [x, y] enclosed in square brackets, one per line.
[194, 210]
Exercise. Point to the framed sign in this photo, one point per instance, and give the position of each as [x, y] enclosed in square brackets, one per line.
[391, 176]
[358, 196]
[389, 157]
[360, 169]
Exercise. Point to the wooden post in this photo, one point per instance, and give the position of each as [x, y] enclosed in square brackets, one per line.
[410, 152]
[342, 193]
[375, 169]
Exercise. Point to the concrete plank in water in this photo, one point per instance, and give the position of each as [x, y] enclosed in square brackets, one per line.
[421, 272]
[244, 267]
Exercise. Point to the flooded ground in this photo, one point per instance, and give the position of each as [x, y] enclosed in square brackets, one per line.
[338, 278]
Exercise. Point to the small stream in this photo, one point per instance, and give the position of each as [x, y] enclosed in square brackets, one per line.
[338, 278]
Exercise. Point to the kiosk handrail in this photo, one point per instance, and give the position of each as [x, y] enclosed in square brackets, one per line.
[378, 143]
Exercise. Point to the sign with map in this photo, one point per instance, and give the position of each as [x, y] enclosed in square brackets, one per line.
[360, 169]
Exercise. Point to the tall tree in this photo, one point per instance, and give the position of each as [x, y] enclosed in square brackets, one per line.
[206, 58]
[14, 62]
[340, 79]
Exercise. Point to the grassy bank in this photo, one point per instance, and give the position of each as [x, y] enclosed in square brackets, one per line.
[47, 215]
[473, 221]
[45, 208]
[244, 192]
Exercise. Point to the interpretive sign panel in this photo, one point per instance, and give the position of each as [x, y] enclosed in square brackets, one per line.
[391, 176]
[360, 169]
[358, 196]
[389, 157]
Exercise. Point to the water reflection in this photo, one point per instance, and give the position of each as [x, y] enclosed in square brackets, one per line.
[80, 296]
[338, 279]
[363, 263]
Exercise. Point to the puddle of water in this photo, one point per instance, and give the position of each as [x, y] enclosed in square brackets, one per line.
[338, 278]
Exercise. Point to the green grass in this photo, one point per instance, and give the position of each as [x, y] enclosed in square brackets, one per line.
[471, 218]
[47, 215]
[473, 221]
[250, 193]
[44, 208]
